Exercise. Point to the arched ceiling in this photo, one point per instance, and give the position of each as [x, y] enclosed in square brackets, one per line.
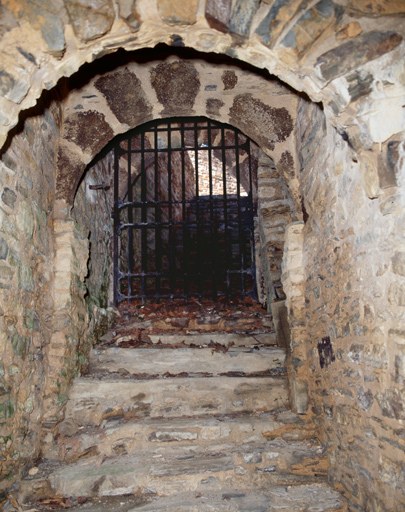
[346, 53]
[138, 90]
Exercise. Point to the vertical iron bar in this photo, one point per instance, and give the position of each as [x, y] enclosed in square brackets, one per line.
[116, 228]
[241, 258]
[169, 171]
[252, 223]
[197, 210]
[130, 248]
[158, 231]
[212, 245]
[144, 242]
[227, 255]
[184, 260]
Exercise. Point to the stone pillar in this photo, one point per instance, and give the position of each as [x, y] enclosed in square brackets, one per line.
[68, 345]
[293, 279]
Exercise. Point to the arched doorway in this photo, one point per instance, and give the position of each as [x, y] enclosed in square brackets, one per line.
[184, 207]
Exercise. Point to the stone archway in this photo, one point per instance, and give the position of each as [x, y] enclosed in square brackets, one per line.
[345, 271]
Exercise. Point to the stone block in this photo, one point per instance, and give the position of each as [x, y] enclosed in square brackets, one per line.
[280, 13]
[242, 16]
[376, 7]
[129, 13]
[9, 197]
[177, 85]
[356, 52]
[184, 13]
[396, 294]
[352, 29]
[125, 96]
[217, 13]
[392, 403]
[47, 18]
[398, 263]
[90, 19]
[312, 24]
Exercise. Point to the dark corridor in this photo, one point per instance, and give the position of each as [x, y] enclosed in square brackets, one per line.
[184, 207]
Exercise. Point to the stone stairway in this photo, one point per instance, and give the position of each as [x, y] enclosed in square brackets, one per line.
[184, 422]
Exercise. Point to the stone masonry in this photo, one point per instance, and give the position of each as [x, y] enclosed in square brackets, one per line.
[320, 88]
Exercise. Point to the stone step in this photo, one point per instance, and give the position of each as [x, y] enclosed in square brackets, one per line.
[296, 498]
[92, 401]
[212, 361]
[316, 497]
[170, 470]
[128, 437]
[210, 340]
[213, 338]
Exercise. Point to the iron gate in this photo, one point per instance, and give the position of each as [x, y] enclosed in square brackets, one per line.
[183, 212]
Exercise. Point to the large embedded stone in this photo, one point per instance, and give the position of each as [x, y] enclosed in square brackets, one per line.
[242, 16]
[46, 17]
[69, 171]
[377, 7]
[3, 249]
[90, 19]
[314, 22]
[125, 96]
[360, 84]
[7, 20]
[173, 11]
[177, 85]
[9, 197]
[19, 344]
[356, 52]
[392, 403]
[229, 79]
[280, 13]
[398, 263]
[213, 106]
[89, 130]
[129, 12]
[217, 13]
[264, 124]
[352, 29]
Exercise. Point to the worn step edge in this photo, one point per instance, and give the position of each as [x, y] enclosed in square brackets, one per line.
[91, 401]
[170, 472]
[125, 437]
[186, 360]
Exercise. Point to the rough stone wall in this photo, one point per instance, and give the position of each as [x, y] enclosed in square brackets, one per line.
[353, 260]
[323, 48]
[27, 181]
[92, 211]
[275, 211]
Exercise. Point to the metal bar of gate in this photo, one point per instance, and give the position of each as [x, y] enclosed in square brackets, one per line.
[202, 222]
[197, 211]
[130, 212]
[227, 255]
[186, 278]
[144, 237]
[158, 215]
[169, 173]
[241, 258]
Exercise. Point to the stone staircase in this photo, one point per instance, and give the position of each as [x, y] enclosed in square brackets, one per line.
[185, 422]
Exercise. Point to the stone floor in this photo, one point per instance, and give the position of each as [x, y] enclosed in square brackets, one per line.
[183, 408]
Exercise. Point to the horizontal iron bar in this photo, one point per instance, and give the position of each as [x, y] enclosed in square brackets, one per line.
[200, 200]
[186, 148]
[195, 225]
[121, 275]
